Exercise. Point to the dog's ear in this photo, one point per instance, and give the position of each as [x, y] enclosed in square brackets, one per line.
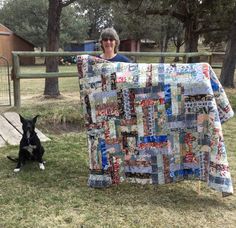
[21, 118]
[35, 118]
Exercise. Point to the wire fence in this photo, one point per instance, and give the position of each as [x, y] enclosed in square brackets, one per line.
[5, 89]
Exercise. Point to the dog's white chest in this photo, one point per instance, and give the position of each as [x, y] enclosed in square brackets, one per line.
[30, 148]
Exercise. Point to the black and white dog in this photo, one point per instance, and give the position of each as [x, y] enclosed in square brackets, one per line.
[30, 145]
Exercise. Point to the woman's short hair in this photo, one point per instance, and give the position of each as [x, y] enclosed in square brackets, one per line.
[110, 33]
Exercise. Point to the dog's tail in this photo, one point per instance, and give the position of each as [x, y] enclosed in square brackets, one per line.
[12, 159]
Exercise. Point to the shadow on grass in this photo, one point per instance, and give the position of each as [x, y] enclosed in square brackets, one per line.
[180, 195]
[67, 171]
[71, 179]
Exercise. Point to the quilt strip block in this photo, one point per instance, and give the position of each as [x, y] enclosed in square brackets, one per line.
[154, 123]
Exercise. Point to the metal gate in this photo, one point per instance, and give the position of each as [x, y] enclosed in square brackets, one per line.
[5, 86]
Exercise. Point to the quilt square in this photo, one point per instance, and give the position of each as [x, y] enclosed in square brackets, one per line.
[154, 123]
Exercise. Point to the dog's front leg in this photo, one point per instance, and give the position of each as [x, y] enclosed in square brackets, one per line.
[38, 155]
[19, 163]
[17, 169]
[42, 152]
[41, 164]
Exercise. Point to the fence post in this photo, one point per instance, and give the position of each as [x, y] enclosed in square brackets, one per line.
[210, 59]
[16, 81]
[185, 59]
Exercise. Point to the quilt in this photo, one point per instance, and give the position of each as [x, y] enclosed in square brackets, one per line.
[154, 123]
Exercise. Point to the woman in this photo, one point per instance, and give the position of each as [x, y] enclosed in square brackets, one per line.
[110, 41]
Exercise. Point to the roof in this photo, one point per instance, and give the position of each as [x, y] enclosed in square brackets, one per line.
[148, 41]
[5, 33]
[5, 28]
[10, 32]
[83, 42]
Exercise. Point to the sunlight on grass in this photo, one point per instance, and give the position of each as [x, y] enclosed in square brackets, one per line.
[36, 86]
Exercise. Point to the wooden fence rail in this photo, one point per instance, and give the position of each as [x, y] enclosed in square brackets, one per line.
[17, 75]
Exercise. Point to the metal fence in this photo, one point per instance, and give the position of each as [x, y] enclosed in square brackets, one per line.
[5, 88]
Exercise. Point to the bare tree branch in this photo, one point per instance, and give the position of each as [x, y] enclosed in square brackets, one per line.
[66, 3]
[206, 30]
[175, 14]
[137, 8]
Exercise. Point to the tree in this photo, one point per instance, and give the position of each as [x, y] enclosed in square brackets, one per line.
[158, 28]
[228, 69]
[178, 39]
[33, 27]
[99, 15]
[53, 34]
[222, 15]
[195, 15]
[168, 30]
[73, 26]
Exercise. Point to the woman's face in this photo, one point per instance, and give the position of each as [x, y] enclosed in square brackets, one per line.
[109, 44]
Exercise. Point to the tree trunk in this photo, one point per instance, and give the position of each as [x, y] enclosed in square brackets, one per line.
[178, 43]
[191, 39]
[176, 59]
[53, 32]
[163, 47]
[228, 69]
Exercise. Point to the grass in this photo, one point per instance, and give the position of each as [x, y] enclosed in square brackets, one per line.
[59, 196]
[36, 86]
[232, 97]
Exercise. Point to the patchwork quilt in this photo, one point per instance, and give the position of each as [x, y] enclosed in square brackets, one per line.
[154, 123]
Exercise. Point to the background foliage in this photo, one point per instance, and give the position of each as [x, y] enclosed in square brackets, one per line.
[28, 19]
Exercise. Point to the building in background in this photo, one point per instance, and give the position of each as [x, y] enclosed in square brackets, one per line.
[130, 45]
[10, 41]
[87, 45]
